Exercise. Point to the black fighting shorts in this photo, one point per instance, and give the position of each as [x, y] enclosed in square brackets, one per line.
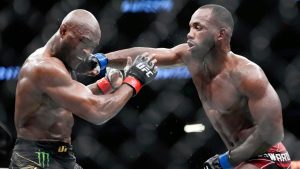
[42, 155]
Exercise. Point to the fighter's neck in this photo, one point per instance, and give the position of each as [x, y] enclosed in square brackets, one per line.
[53, 48]
[215, 62]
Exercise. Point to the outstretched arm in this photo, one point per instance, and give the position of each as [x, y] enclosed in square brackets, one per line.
[163, 56]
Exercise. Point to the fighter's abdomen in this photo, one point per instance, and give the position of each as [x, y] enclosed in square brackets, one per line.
[46, 124]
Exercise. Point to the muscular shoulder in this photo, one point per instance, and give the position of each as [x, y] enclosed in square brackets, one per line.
[250, 78]
[40, 69]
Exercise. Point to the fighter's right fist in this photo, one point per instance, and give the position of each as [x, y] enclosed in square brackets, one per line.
[141, 72]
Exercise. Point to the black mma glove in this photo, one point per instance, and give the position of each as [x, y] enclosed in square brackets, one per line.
[93, 65]
[218, 162]
[212, 163]
[141, 72]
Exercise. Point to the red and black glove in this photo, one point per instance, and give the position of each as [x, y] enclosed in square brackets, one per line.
[141, 72]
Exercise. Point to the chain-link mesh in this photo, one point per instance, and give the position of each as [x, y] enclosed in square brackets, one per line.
[149, 131]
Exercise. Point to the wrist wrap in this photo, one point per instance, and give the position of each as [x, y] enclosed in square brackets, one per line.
[134, 83]
[104, 85]
[224, 161]
[103, 61]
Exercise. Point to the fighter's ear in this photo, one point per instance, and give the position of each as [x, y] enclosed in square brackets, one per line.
[222, 34]
[62, 30]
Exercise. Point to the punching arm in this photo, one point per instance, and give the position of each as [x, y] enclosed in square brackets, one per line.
[163, 56]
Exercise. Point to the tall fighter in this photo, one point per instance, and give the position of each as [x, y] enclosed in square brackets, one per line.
[236, 95]
[47, 97]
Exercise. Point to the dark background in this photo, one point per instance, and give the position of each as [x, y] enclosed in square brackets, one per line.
[148, 132]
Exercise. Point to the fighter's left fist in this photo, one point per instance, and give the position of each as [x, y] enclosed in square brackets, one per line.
[212, 163]
[218, 162]
[94, 65]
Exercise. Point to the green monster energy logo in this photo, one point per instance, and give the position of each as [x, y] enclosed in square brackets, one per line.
[43, 158]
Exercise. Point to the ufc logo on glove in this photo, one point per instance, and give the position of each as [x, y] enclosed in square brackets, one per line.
[144, 68]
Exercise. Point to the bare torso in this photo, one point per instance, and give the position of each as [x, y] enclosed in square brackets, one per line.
[37, 116]
[226, 108]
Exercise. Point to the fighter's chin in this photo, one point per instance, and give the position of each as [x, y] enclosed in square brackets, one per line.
[192, 47]
[193, 50]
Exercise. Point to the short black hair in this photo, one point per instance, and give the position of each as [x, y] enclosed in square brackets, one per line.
[221, 15]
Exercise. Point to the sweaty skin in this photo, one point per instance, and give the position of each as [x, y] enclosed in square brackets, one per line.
[237, 97]
[47, 96]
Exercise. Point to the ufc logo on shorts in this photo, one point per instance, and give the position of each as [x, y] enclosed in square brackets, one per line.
[144, 68]
[62, 149]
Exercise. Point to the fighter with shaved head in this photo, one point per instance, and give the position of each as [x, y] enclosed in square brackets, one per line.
[47, 96]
